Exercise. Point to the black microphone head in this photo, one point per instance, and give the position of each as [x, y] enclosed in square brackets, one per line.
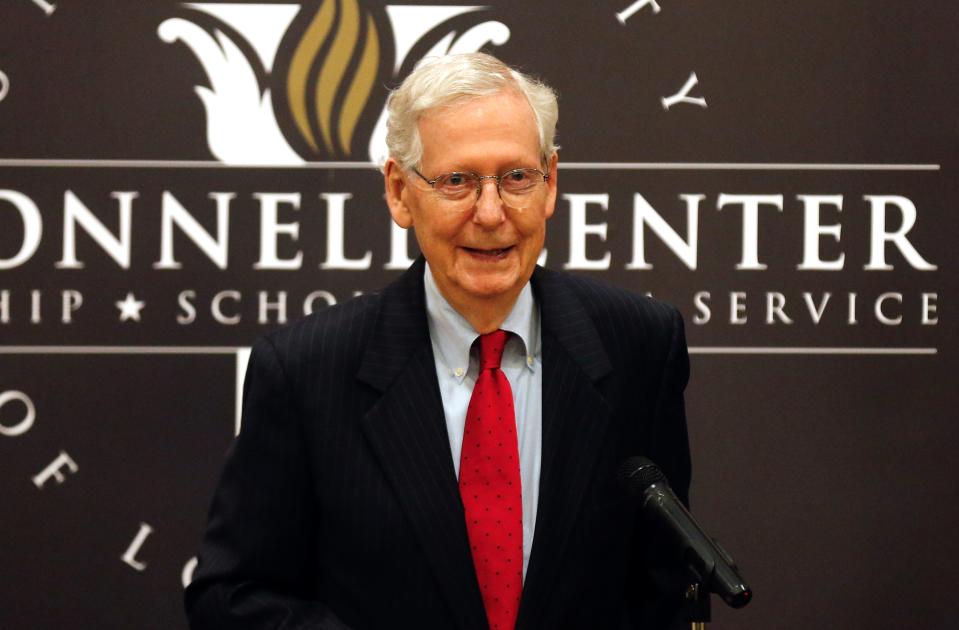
[638, 473]
[740, 597]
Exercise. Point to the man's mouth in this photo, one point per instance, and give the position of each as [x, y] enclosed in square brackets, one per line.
[489, 253]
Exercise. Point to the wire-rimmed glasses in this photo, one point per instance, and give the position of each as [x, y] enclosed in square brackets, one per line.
[460, 189]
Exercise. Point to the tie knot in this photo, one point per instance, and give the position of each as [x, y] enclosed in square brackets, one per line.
[491, 349]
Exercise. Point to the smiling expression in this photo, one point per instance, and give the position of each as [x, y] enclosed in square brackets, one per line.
[481, 255]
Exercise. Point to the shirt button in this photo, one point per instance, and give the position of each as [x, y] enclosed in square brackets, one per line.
[529, 361]
[458, 372]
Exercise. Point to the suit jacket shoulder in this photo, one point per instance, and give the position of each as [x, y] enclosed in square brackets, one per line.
[628, 324]
[330, 339]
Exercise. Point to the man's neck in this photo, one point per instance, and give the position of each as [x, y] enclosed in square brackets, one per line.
[484, 315]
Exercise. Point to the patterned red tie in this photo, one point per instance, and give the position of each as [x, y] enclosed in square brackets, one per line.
[490, 487]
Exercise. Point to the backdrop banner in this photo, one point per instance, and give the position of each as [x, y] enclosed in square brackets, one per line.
[178, 178]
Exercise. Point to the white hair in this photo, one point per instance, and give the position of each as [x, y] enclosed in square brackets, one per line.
[439, 82]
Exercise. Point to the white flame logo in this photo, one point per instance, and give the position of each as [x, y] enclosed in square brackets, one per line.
[241, 124]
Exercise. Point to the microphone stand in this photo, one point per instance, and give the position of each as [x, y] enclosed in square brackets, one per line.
[696, 606]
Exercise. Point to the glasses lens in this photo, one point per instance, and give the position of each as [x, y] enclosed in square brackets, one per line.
[456, 186]
[520, 181]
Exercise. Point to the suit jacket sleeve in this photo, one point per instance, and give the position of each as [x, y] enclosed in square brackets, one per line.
[255, 560]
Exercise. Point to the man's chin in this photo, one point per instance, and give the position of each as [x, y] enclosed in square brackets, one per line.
[485, 283]
[494, 287]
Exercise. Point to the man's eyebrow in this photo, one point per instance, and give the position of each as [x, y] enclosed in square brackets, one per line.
[513, 165]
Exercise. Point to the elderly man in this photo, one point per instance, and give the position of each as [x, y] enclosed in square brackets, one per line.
[443, 454]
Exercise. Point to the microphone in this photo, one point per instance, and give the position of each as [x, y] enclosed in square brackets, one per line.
[712, 566]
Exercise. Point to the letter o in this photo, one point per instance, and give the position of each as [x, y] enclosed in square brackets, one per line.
[308, 302]
[24, 425]
[32, 227]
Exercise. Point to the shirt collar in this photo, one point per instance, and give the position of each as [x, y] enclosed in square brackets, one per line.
[454, 336]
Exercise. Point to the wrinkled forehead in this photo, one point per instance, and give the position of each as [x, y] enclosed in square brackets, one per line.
[509, 100]
[500, 120]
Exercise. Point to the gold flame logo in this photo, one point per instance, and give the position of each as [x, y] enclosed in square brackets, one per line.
[324, 101]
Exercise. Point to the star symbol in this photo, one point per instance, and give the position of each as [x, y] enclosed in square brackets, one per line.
[130, 308]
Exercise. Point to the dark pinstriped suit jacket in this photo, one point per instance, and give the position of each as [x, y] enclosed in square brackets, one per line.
[339, 507]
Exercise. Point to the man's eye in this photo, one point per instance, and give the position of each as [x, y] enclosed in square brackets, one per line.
[518, 181]
[455, 185]
[455, 180]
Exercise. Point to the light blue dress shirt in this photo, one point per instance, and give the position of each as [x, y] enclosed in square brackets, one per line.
[457, 368]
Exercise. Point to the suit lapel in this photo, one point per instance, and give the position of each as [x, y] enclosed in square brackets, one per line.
[575, 420]
[407, 431]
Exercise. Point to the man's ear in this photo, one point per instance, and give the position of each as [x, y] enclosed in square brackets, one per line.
[396, 191]
[551, 184]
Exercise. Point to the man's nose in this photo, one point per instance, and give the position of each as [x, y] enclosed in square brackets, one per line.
[490, 210]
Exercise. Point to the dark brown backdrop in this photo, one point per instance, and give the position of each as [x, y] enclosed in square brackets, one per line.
[823, 449]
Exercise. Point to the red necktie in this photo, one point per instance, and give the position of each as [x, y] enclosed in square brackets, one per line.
[491, 489]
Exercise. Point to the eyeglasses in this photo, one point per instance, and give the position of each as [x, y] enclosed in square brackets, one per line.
[460, 189]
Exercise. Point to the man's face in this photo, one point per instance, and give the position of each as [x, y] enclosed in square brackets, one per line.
[486, 250]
